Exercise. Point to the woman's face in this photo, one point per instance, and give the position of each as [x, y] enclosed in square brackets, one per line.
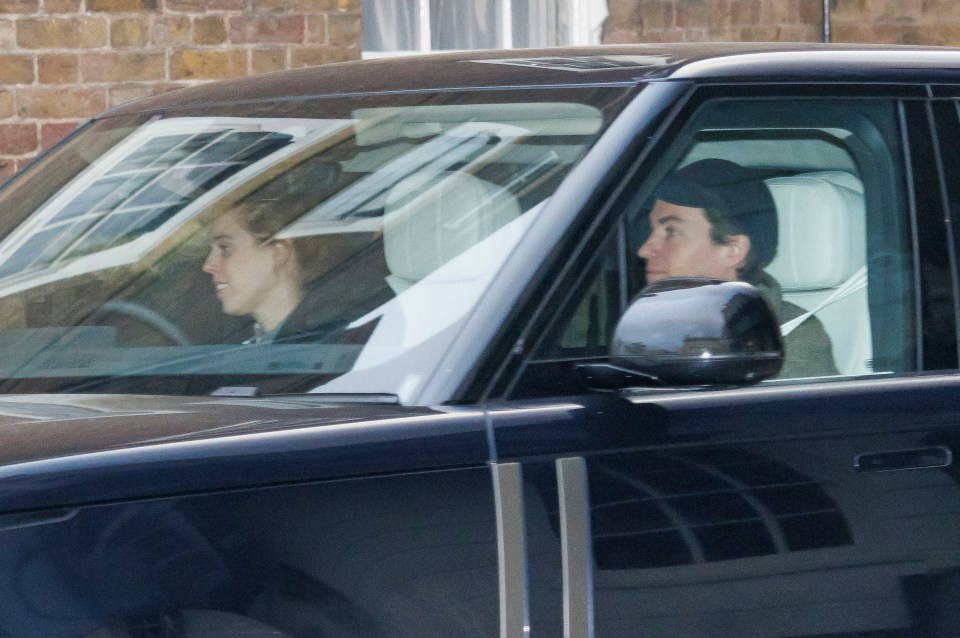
[245, 271]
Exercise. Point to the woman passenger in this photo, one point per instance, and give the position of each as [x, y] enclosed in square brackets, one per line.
[255, 273]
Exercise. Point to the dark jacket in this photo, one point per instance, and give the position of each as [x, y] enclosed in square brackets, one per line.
[808, 350]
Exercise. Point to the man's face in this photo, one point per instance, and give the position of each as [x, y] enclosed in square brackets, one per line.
[679, 245]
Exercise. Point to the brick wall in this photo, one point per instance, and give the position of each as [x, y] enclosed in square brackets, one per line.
[896, 21]
[862, 21]
[716, 20]
[62, 61]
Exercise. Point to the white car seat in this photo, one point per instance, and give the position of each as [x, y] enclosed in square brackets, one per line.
[821, 259]
[428, 222]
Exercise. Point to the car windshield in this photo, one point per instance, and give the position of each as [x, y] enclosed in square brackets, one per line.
[328, 244]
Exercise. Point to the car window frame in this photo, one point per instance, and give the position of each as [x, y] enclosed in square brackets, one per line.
[643, 171]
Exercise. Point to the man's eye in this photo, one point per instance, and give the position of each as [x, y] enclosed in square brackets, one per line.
[224, 249]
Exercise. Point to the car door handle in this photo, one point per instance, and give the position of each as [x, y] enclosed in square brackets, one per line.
[913, 459]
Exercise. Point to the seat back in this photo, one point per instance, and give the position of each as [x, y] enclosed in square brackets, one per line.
[822, 246]
[429, 221]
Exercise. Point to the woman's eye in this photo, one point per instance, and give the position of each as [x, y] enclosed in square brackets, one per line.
[224, 249]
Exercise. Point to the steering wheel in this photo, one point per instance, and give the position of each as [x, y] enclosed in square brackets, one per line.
[153, 319]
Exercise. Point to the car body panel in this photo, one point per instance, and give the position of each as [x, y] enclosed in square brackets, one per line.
[502, 495]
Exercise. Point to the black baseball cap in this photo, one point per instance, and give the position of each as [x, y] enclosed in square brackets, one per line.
[737, 193]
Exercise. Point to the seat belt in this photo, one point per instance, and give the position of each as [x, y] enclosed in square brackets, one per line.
[857, 281]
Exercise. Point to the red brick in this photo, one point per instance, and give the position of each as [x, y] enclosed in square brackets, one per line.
[53, 132]
[801, 33]
[47, 103]
[621, 37]
[62, 6]
[922, 35]
[208, 65]
[8, 166]
[745, 12]
[209, 30]
[171, 31]
[777, 12]
[194, 6]
[343, 29]
[6, 104]
[656, 15]
[16, 69]
[691, 13]
[62, 33]
[313, 56]
[203, 6]
[127, 91]
[719, 14]
[128, 33]
[760, 33]
[951, 34]
[122, 66]
[8, 35]
[226, 5]
[304, 6]
[864, 33]
[124, 6]
[897, 12]
[267, 29]
[17, 139]
[316, 29]
[267, 60]
[810, 12]
[855, 10]
[19, 6]
[58, 68]
[942, 10]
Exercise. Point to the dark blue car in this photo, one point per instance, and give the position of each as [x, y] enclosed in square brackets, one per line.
[368, 351]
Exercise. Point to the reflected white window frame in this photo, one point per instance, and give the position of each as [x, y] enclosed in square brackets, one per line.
[304, 132]
[551, 23]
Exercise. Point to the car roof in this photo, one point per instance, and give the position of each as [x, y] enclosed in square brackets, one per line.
[579, 66]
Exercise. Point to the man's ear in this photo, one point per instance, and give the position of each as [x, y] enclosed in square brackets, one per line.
[738, 249]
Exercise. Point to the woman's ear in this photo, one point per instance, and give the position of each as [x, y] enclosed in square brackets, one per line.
[282, 252]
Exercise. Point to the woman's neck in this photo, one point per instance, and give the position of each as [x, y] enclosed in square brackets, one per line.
[277, 306]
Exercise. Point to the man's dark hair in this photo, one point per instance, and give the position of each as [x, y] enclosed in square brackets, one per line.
[735, 200]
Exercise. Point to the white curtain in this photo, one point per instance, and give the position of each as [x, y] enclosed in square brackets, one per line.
[390, 25]
[463, 24]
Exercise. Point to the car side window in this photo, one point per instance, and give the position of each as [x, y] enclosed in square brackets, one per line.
[817, 188]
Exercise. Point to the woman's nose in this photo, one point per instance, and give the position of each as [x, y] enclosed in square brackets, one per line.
[208, 264]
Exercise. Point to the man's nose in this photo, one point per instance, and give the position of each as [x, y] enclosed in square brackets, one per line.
[648, 248]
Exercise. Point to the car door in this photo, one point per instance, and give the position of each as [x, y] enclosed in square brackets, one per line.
[307, 520]
[803, 506]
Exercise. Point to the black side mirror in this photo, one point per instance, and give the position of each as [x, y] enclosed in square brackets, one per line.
[693, 331]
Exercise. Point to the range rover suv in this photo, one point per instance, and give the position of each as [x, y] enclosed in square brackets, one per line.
[479, 419]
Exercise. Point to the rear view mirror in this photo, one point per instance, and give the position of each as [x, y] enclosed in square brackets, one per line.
[693, 331]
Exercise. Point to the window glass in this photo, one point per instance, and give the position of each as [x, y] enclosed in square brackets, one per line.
[804, 200]
[330, 245]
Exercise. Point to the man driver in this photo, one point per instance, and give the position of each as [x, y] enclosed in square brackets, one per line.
[715, 218]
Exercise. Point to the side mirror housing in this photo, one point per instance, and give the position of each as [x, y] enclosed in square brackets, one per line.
[696, 331]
